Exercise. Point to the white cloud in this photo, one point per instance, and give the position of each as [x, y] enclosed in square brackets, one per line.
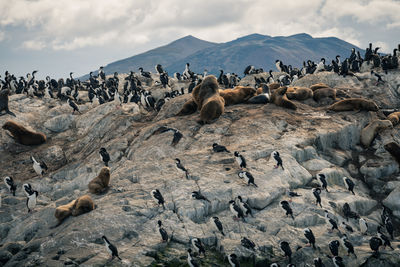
[33, 45]
[384, 47]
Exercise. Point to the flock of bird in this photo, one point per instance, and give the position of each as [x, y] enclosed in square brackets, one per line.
[103, 89]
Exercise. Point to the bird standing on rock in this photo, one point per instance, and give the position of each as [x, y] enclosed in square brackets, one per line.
[240, 160]
[163, 233]
[219, 148]
[73, 105]
[110, 248]
[105, 157]
[236, 210]
[248, 177]
[278, 159]
[285, 205]
[39, 167]
[218, 224]
[181, 168]
[8, 180]
[158, 198]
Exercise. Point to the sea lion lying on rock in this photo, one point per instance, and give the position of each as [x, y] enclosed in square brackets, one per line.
[370, 131]
[354, 104]
[299, 93]
[324, 92]
[279, 98]
[318, 86]
[394, 149]
[237, 95]
[23, 135]
[394, 117]
[76, 207]
[99, 184]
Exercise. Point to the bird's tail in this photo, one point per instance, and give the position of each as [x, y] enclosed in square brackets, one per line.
[313, 245]
[222, 232]
[119, 258]
[255, 185]
[291, 215]
[163, 206]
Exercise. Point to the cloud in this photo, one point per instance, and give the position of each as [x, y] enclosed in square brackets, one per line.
[33, 45]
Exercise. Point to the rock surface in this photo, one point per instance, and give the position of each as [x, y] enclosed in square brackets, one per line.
[310, 140]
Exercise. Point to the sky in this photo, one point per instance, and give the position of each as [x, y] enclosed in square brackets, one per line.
[57, 37]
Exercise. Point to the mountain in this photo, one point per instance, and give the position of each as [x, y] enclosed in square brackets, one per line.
[255, 49]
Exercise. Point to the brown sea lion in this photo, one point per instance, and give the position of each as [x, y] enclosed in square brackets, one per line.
[394, 117]
[354, 104]
[394, 149]
[279, 98]
[99, 184]
[76, 207]
[188, 108]
[237, 95]
[324, 92]
[299, 93]
[23, 135]
[318, 86]
[370, 131]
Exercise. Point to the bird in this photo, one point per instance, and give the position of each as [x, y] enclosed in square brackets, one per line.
[73, 105]
[389, 227]
[233, 260]
[31, 200]
[285, 205]
[219, 148]
[181, 168]
[177, 134]
[334, 247]
[198, 246]
[338, 261]
[291, 194]
[199, 196]
[27, 189]
[105, 157]
[310, 237]
[384, 238]
[316, 192]
[247, 243]
[110, 248]
[163, 233]
[348, 246]
[39, 167]
[240, 160]
[244, 207]
[236, 210]
[363, 226]
[331, 222]
[285, 247]
[218, 224]
[377, 77]
[349, 184]
[158, 198]
[318, 262]
[274, 265]
[322, 180]
[278, 159]
[346, 227]
[374, 244]
[159, 68]
[191, 261]
[11, 186]
[248, 177]
[144, 73]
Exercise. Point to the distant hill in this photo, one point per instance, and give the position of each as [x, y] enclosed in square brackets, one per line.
[255, 49]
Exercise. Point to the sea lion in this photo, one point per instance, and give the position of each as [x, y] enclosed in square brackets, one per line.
[394, 149]
[76, 207]
[188, 108]
[262, 96]
[4, 102]
[212, 109]
[369, 132]
[299, 93]
[318, 86]
[207, 88]
[273, 86]
[394, 117]
[279, 98]
[64, 211]
[99, 184]
[237, 95]
[23, 135]
[324, 92]
[354, 104]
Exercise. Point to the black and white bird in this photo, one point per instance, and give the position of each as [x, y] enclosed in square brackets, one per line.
[233, 260]
[144, 73]
[274, 265]
[219, 148]
[338, 261]
[334, 247]
[363, 226]
[291, 194]
[349, 184]
[159, 69]
[322, 181]
[218, 224]
[73, 105]
[331, 222]
[245, 208]
[348, 246]
[27, 189]
[240, 160]
[317, 194]
[318, 262]
[389, 227]
[39, 166]
[376, 77]
[158, 198]
[247, 243]
[110, 248]
[198, 246]
[177, 134]
[385, 239]
[31, 200]
[374, 244]
[346, 227]
[285, 247]
[105, 157]
[191, 261]
[163, 232]
[285, 205]
[11, 186]
[248, 177]
[199, 196]
[278, 159]
[236, 210]
[181, 169]
[310, 237]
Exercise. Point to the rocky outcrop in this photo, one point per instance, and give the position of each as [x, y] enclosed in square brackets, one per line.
[309, 140]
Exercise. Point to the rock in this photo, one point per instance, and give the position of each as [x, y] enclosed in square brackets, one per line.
[5, 256]
[392, 201]
[59, 123]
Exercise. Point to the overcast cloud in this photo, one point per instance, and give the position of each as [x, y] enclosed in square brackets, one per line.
[59, 36]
